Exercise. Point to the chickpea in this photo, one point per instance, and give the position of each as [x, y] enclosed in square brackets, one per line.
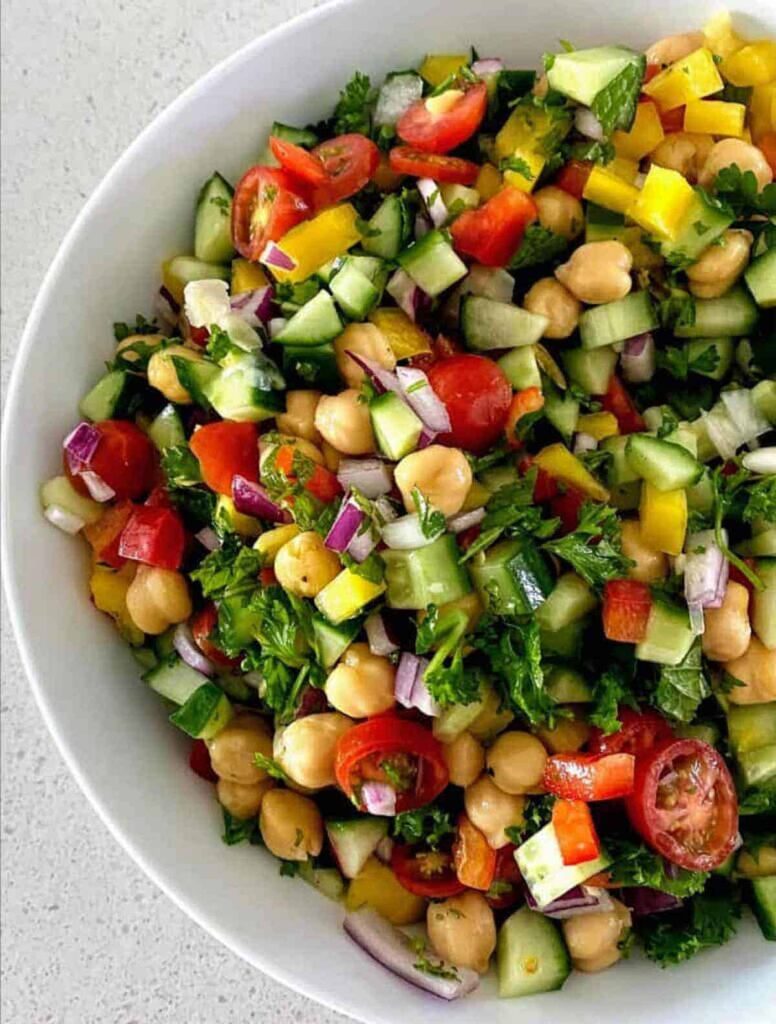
[304, 565]
[299, 417]
[157, 598]
[727, 629]
[735, 151]
[465, 759]
[560, 212]
[241, 800]
[756, 669]
[149, 340]
[291, 825]
[685, 152]
[331, 457]
[597, 272]
[305, 749]
[759, 865]
[442, 475]
[492, 810]
[516, 761]
[549, 298]
[232, 750]
[650, 565]
[462, 930]
[362, 683]
[674, 48]
[163, 376]
[343, 420]
[593, 939]
[720, 266]
[365, 340]
[568, 735]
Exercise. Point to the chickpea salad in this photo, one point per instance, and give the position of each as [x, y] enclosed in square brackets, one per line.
[437, 502]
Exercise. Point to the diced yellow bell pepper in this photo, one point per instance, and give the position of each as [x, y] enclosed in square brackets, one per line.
[247, 276]
[346, 595]
[662, 203]
[534, 162]
[690, 78]
[558, 461]
[715, 117]
[625, 169]
[645, 134]
[109, 593]
[598, 424]
[438, 66]
[609, 190]
[762, 110]
[754, 64]
[477, 496]
[488, 181]
[245, 526]
[521, 139]
[663, 519]
[376, 886]
[272, 541]
[405, 338]
[721, 38]
[314, 242]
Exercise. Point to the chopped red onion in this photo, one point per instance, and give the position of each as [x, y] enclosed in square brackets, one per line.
[363, 544]
[276, 325]
[406, 673]
[382, 379]
[421, 695]
[371, 477]
[274, 256]
[423, 400]
[384, 850]
[345, 527]
[377, 635]
[488, 66]
[584, 443]
[426, 438]
[642, 901]
[96, 486]
[465, 520]
[422, 226]
[406, 534]
[66, 521]
[432, 198]
[183, 642]
[587, 124]
[706, 571]
[80, 446]
[252, 500]
[254, 307]
[762, 461]
[638, 359]
[406, 294]
[379, 798]
[208, 538]
[582, 899]
[172, 303]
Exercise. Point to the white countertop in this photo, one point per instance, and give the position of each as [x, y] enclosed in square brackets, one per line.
[86, 937]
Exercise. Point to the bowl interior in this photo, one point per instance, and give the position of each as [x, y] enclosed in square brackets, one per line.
[110, 728]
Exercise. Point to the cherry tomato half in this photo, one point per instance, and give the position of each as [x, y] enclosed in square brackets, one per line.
[125, 459]
[267, 203]
[199, 761]
[298, 162]
[349, 161]
[589, 776]
[203, 626]
[224, 450]
[448, 169]
[439, 133]
[626, 608]
[684, 804]
[475, 860]
[154, 536]
[477, 397]
[618, 402]
[640, 731]
[492, 233]
[428, 873]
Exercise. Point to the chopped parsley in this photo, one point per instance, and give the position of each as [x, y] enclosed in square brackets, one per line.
[449, 681]
[709, 919]
[269, 766]
[594, 549]
[681, 688]
[428, 825]
[432, 521]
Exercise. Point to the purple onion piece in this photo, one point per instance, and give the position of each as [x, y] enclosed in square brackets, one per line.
[382, 379]
[254, 307]
[371, 477]
[465, 520]
[208, 538]
[421, 696]
[98, 489]
[642, 901]
[363, 544]
[345, 526]
[183, 642]
[406, 674]
[379, 798]
[638, 359]
[488, 66]
[80, 446]
[166, 307]
[582, 899]
[434, 203]
[406, 294]
[422, 226]
[252, 500]
[423, 400]
[706, 571]
[426, 438]
[273, 256]
[377, 635]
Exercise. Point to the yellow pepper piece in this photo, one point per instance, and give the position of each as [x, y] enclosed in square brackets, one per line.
[245, 526]
[558, 461]
[663, 519]
[598, 424]
[762, 110]
[721, 38]
[609, 190]
[662, 203]
[488, 181]
[376, 886]
[476, 497]
[646, 133]
[109, 593]
[314, 242]
[247, 276]
[346, 595]
[715, 117]
[534, 163]
[439, 66]
[625, 169]
[272, 541]
[405, 338]
[690, 78]
[520, 139]
[754, 64]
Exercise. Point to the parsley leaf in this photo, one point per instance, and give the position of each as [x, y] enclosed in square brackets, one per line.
[680, 689]
[636, 865]
[677, 310]
[372, 568]
[536, 814]
[271, 767]
[518, 165]
[447, 679]
[180, 466]
[432, 521]
[740, 191]
[353, 112]
[511, 510]
[590, 150]
[758, 801]
[677, 362]
[598, 563]
[761, 503]
[539, 245]
[228, 569]
[237, 830]
[610, 691]
[140, 326]
[429, 825]
[709, 920]
[615, 105]
[724, 489]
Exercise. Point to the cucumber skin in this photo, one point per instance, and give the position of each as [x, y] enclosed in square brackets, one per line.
[764, 905]
[667, 466]
[539, 931]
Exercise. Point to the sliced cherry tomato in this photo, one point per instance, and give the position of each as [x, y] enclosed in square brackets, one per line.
[566, 507]
[267, 203]
[199, 761]
[349, 162]
[298, 162]
[575, 831]
[640, 731]
[767, 144]
[450, 169]
[477, 397]
[573, 177]
[439, 133]
[672, 120]
[322, 483]
[105, 534]
[545, 487]
[125, 459]
[492, 233]
[362, 750]
[506, 888]
[626, 608]
[203, 626]
[226, 449]
[524, 402]
[684, 804]
[619, 403]
[475, 860]
[589, 776]
[154, 536]
[428, 873]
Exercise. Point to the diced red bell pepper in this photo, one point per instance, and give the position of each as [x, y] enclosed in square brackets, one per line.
[573, 177]
[566, 507]
[589, 776]
[619, 403]
[626, 608]
[154, 536]
[545, 487]
[267, 576]
[650, 72]
[575, 831]
[199, 761]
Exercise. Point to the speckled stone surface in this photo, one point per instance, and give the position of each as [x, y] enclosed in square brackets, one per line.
[86, 937]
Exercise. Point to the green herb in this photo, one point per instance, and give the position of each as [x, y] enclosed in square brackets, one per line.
[539, 245]
[230, 568]
[372, 568]
[677, 310]
[278, 624]
[353, 112]
[635, 865]
[447, 678]
[518, 165]
[511, 511]
[595, 562]
[365, 229]
[223, 204]
[709, 920]
[435, 968]
[432, 521]
[680, 689]
[237, 830]
[428, 825]
[220, 345]
[610, 690]
[615, 105]
[758, 801]
[741, 192]
[536, 814]
[761, 503]
[180, 466]
[596, 152]
[668, 423]
[724, 489]
[677, 362]
[478, 463]
[140, 326]
[269, 766]
[289, 868]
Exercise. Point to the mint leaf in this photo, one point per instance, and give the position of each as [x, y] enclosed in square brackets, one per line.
[615, 105]
[682, 688]
[539, 245]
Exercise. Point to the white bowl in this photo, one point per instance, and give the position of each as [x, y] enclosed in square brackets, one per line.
[111, 730]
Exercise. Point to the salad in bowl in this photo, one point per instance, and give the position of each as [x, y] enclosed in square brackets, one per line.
[437, 502]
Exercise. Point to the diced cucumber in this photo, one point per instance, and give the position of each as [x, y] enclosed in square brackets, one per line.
[760, 277]
[566, 642]
[490, 282]
[543, 870]
[583, 74]
[764, 398]
[513, 575]
[145, 657]
[685, 438]
[700, 497]
[571, 599]
[331, 642]
[520, 368]
[602, 224]
[185, 269]
[499, 476]
[311, 366]
[297, 295]
[396, 427]
[706, 732]
[625, 497]
[667, 466]
[328, 881]
[764, 905]
[618, 470]
[315, 323]
[213, 222]
[725, 869]
[164, 647]
[531, 955]
[173, 679]
[372, 267]
[617, 321]
[764, 606]
[567, 686]
[706, 449]
[724, 348]
[703, 222]
[455, 719]
[166, 429]
[356, 295]
[196, 376]
[391, 223]
[729, 316]
[561, 409]
[487, 324]
[246, 389]
[107, 397]
[591, 369]
[432, 263]
[205, 713]
[299, 136]
[430, 575]
[59, 491]
[669, 635]
[355, 841]
[751, 726]
[758, 767]
[762, 545]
